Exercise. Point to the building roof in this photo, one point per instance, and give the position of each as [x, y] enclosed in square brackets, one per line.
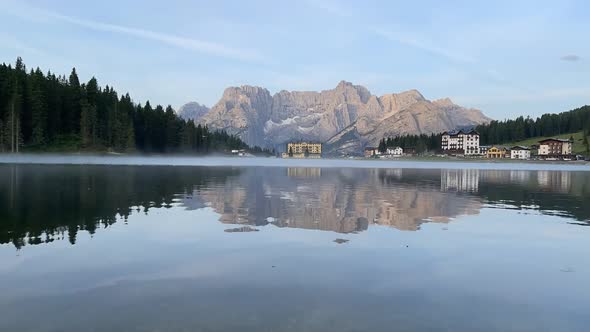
[460, 131]
[304, 142]
[471, 132]
[500, 147]
[520, 147]
[561, 140]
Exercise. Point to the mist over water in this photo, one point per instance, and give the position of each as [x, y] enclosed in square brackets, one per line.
[180, 160]
[247, 248]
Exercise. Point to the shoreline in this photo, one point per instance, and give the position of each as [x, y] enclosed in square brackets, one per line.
[478, 160]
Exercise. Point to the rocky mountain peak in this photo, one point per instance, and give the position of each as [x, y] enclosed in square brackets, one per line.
[247, 90]
[192, 111]
[346, 118]
[446, 102]
[343, 84]
[350, 90]
[412, 94]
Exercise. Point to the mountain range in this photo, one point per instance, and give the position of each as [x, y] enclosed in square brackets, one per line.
[346, 119]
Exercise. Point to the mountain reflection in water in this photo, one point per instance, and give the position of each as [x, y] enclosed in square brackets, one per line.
[69, 199]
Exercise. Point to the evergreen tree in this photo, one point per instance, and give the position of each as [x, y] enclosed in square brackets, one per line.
[71, 111]
[38, 110]
[382, 147]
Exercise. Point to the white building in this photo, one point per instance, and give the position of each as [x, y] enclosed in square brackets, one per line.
[395, 151]
[371, 152]
[461, 142]
[520, 152]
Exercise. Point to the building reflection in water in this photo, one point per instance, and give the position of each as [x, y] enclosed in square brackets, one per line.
[304, 171]
[554, 181]
[466, 180]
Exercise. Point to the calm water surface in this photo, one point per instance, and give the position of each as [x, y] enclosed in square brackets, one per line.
[164, 248]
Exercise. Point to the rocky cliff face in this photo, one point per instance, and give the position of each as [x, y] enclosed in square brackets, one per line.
[346, 118]
[192, 111]
[242, 111]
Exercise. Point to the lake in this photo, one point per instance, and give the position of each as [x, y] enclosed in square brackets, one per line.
[316, 246]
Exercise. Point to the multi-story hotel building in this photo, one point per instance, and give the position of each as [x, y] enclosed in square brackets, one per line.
[555, 147]
[461, 142]
[303, 150]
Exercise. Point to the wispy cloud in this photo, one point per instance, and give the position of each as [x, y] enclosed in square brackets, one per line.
[421, 45]
[571, 58]
[205, 47]
[333, 7]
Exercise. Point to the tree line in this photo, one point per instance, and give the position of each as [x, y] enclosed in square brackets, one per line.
[48, 112]
[422, 143]
[521, 128]
[506, 131]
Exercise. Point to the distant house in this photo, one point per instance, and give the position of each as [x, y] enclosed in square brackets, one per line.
[395, 151]
[303, 150]
[460, 142]
[483, 149]
[520, 152]
[371, 152]
[498, 152]
[555, 148]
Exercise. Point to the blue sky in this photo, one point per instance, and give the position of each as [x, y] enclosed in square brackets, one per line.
[505, 57]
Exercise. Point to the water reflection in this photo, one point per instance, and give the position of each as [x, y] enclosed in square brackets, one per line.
[39, 204]
[343, 201]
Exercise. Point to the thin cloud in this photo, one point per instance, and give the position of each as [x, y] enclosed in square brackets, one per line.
[337, 8]
[331, 6]
[421, 45]
[191, 44]
[571, 58]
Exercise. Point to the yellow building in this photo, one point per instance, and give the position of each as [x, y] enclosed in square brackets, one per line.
[303, 150]
[495, 152]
